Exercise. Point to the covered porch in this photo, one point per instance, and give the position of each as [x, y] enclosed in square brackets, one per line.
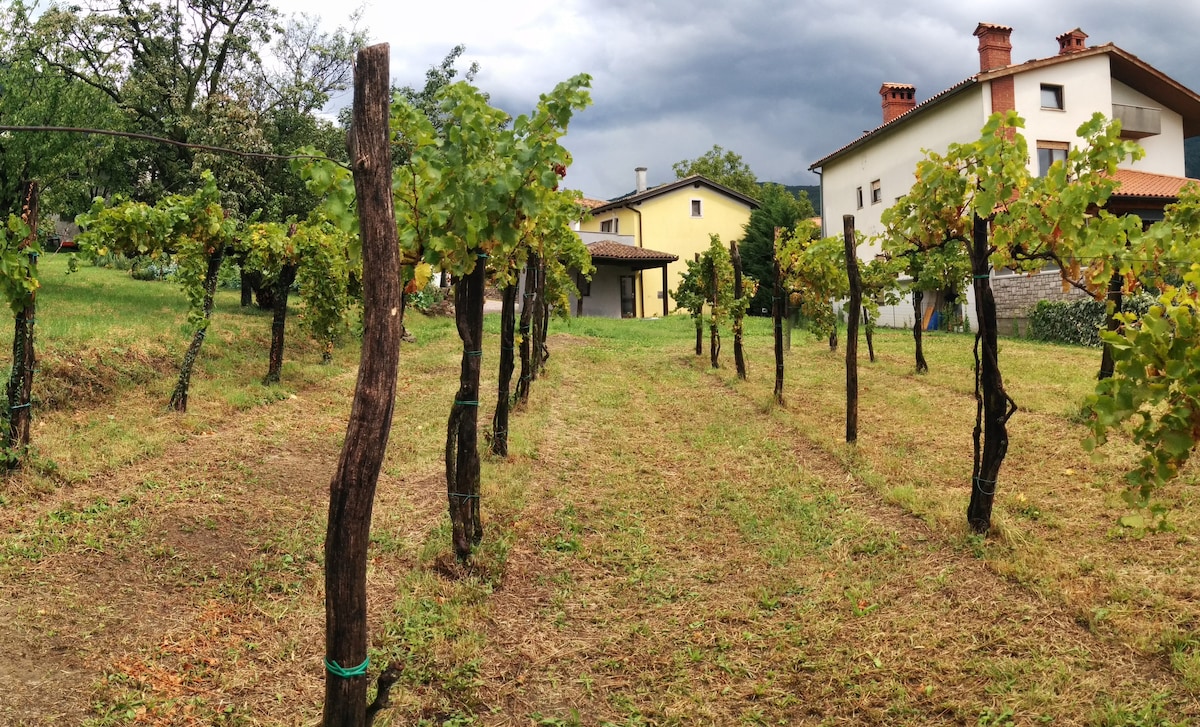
[615, 290]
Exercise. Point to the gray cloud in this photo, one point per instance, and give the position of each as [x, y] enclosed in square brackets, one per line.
[781, 83]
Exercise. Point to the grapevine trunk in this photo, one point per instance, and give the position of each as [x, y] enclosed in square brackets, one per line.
[993, 405]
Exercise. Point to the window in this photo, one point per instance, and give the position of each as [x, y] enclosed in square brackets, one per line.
[696, 209]
[1052, 97]
[876, 192]
[611, 226]
[859, 193]
[1049, 152]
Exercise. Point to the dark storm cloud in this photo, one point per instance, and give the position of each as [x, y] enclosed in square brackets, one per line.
[781, 83]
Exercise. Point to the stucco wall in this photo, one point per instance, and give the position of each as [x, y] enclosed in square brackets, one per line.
[892, 159]
[604, 297]
[1164, 151]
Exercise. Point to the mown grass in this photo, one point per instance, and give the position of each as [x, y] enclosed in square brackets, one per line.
[663, 546]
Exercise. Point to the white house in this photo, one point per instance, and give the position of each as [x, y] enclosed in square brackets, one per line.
[1054, 95]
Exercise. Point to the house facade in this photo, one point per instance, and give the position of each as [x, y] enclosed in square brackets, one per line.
[1054, 95]
[672, 220]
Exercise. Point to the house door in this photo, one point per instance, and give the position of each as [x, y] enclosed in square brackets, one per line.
[628, 301]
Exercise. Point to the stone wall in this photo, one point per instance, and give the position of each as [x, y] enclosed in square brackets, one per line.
[1016, 294]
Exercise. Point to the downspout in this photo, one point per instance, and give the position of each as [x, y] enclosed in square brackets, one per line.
[822, 210]
[640, 284]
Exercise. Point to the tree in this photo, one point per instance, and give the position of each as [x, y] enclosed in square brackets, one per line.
[722, 167]
[461, 198]
[70, 169]
[982, 196]
[743, 291]
[18, 255]
[716, 280]
[194, 228]
[691, 296]
[779, 208]
[814, 269]
[1154, 392]
[172, 69]
[880, 286]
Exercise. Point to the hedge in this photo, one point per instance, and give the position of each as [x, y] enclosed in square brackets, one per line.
[1078, 321]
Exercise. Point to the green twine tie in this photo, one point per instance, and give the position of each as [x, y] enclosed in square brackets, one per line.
[463, 495]
[982, 277]
[466, 403]
[338, 671]
[482, 256]
[472, 353]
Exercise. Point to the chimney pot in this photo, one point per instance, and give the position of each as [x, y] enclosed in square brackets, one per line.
[639, 177]
[995, 46]
[897, 99]
[1072, 41]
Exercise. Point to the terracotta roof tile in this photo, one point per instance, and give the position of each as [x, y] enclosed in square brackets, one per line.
[610, 250]
[1145, 184]
[592, 203]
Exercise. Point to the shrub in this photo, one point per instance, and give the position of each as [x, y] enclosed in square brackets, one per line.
[427, 297]
[1078, 322]
[147, 268]
[113, 261]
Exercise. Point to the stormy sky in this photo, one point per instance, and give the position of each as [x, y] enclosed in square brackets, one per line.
[781, 83]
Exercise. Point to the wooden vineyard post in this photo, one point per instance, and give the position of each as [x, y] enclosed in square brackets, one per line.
[855, 307]
[779, 302]
[352, 490]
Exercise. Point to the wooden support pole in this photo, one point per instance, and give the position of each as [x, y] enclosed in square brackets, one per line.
[352, 491]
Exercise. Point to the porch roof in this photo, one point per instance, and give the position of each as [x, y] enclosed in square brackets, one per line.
[608, 252]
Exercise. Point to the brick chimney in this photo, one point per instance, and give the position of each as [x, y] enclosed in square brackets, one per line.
[898, 99]
[1072, 41]
[639, 177]
[995, 49]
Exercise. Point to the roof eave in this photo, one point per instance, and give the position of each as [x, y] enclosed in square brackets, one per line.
[671, 187]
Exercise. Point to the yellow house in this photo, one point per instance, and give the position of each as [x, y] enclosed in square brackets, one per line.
[675, 218]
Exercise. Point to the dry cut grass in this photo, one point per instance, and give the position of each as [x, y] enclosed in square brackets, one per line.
[662, 547]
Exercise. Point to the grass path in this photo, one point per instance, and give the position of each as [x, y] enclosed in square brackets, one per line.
[663, 547]
[707, 562]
